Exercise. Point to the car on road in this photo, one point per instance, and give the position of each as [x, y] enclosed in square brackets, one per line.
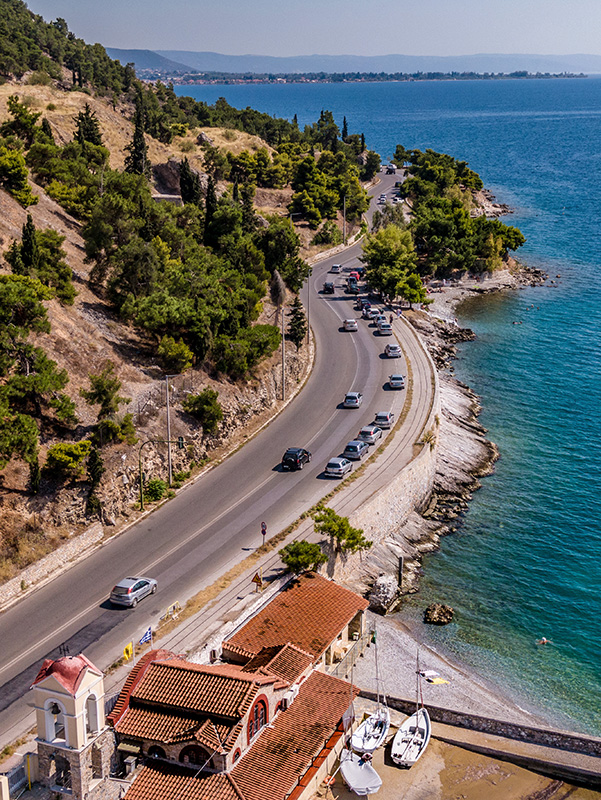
[350, 325]
[384, 419]
[353, 288]
[338, 467]
[374, 313]
[295, 458]
[354, 275]
[385, 329]
[382, 198]
[396, 381]
[336, 269]
[370, 434]
[379, 317]
[352, 400]
[366, 313]
[328, 288]
[355, 450]
[397, 200]
[393, 350]
[129, 591]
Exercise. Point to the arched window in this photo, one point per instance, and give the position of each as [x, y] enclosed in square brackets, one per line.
[192, 754]
[156, 752]
[91, 716]
[258, 718]
[55, 721]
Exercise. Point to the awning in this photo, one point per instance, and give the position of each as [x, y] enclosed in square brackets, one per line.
[125, 747]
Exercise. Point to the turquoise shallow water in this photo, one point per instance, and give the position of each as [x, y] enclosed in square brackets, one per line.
[526, 561]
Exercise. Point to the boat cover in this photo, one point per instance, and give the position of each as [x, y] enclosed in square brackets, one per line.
[359, 775]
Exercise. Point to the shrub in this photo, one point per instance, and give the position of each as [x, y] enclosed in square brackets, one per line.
[39, 79]
[155, 490]
[235, 356]
[230, 136]
[176, 356]
[67, 458]
[206, 408]
[187, 146]
[301, 556]
[328, 234]
[51, 107]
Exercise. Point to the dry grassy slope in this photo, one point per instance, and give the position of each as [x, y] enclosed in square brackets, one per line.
[86, 335]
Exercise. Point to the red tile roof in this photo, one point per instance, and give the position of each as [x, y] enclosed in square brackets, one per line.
[68, 671]
[222, 690]
[160, 781]
[283, 752]
[132, 680]
[309, 613]
[286, 661]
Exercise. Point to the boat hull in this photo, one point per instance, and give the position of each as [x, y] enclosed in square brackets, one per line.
[359, 775]
[411, 739]
[372, 732]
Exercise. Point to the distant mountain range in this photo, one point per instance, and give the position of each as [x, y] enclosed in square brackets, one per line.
[178, 61]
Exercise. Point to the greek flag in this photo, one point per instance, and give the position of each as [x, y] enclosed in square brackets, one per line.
[147, 637]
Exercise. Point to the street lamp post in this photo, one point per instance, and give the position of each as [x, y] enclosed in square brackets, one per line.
[169, 464]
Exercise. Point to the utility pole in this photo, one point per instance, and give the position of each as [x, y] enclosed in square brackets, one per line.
[283, 358]
[169, 464]
[308, 309]
[344, 220]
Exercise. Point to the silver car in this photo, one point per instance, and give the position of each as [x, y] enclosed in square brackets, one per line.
[352, 400]
[356, 449]
[338, 467]
[384, 419]
[396, 381]
[370, 434]
[130, 591]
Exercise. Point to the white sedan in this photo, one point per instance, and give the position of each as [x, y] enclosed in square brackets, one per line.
[396, 381]
[393, 350]
[350, 325]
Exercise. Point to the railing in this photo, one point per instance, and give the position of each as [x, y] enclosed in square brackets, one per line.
[343, 668]
[17, 778]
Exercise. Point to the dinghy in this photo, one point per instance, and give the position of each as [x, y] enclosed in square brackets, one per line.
[411, 739]
[372, 732]
[358, 773]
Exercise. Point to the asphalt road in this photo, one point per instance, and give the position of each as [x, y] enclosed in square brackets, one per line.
[209, 527]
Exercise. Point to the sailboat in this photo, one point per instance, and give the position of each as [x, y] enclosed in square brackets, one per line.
[358, 773]
[372, 732]
[413, 736]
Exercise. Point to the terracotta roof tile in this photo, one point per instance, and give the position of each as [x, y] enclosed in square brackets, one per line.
[160, 781]
[68, 671]
[282, 753]
[286, 661]
[142, 723]
[222, 690]
[309, 614]
[132, 681]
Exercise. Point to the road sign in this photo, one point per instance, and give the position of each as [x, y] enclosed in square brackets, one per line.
[263, 528]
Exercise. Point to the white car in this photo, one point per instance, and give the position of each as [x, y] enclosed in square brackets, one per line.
[370, 434]
[338, 467]
[350, 325]
[393, 350]
[336, 269]
[352, 400]
[397, 200]
[396, 381]
[384, 419]
[385, 329]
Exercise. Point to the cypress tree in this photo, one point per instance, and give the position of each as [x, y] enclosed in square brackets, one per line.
[297, 327]
[189, 183]
[87, 127]
[30, 254]
[362, 142]
[344, 130]
[47, 130]
[136, 162]
[210, 209]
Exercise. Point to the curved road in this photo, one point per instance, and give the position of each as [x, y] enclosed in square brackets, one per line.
[190, 541]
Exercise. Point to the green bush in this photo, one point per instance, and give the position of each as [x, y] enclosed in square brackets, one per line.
[301, 556]
[39, 79]
[155, 490]
[206, 408]
[176, 356]
[67, 459]
[187, 146]
[236, 356]
[328, 234]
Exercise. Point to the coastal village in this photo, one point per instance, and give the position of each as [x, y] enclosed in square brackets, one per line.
[269, 680]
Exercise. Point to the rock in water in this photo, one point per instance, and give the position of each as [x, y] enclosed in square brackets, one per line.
[438, 614]
[383, 593]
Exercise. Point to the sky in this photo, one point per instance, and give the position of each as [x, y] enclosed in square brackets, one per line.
[335, 27]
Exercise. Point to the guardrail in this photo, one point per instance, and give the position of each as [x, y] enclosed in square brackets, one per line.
[343, 668]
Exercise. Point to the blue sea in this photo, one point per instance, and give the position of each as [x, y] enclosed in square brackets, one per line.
[526, 561]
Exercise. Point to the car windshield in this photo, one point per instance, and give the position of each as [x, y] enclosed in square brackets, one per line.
[333, 465]
[120, 590]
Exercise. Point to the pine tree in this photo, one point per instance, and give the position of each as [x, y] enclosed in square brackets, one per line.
[249, 219]
[189, 183]
[88, 129]
[136, 162]
[30, 255]
[47, 130]
[344, 130]
[297, 327]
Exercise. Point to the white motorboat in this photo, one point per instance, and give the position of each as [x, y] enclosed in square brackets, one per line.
[411, 739]
[358, 773]
[372, 732]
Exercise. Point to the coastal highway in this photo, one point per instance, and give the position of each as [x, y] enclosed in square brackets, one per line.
[188, 542]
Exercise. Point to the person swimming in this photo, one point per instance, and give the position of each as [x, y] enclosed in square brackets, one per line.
[544, 640]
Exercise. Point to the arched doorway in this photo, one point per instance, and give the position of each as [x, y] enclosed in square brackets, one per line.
[91, 716]
[154, 751]
[193, 754]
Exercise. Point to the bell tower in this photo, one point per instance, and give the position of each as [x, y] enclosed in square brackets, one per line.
[75, 747]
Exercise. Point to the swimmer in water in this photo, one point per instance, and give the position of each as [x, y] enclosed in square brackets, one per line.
[544, 640]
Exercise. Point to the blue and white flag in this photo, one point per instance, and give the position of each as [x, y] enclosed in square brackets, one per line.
[147, 636]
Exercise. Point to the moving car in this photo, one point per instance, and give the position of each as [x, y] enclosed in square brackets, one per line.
[370, 434]
[384, 419]
[379, 317]
[374, 313]
[335, 269]
[396, 381]
[130, 591]
[353, 400]
[385, 329]
[295, 458]
[338, 467]
[328, 287]
[350, 325]
[393, 350]
[355, 450]
[353, 288]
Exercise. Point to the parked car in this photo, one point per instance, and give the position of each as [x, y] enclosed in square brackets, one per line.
[360, 271]
[385, 329]
[364, 303]
[393, 350]
[384, 419]
[379, 317]
[353, 288]
[374, 313]
[354, 275]
[397, 200]
[396, 381]
[328, 287]
[353, 400]
[355, 450]
[370, 434]
[350, 325]
[366, 313]
[130, 591]
[295, 458]
[336, 269]
[338, 467]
